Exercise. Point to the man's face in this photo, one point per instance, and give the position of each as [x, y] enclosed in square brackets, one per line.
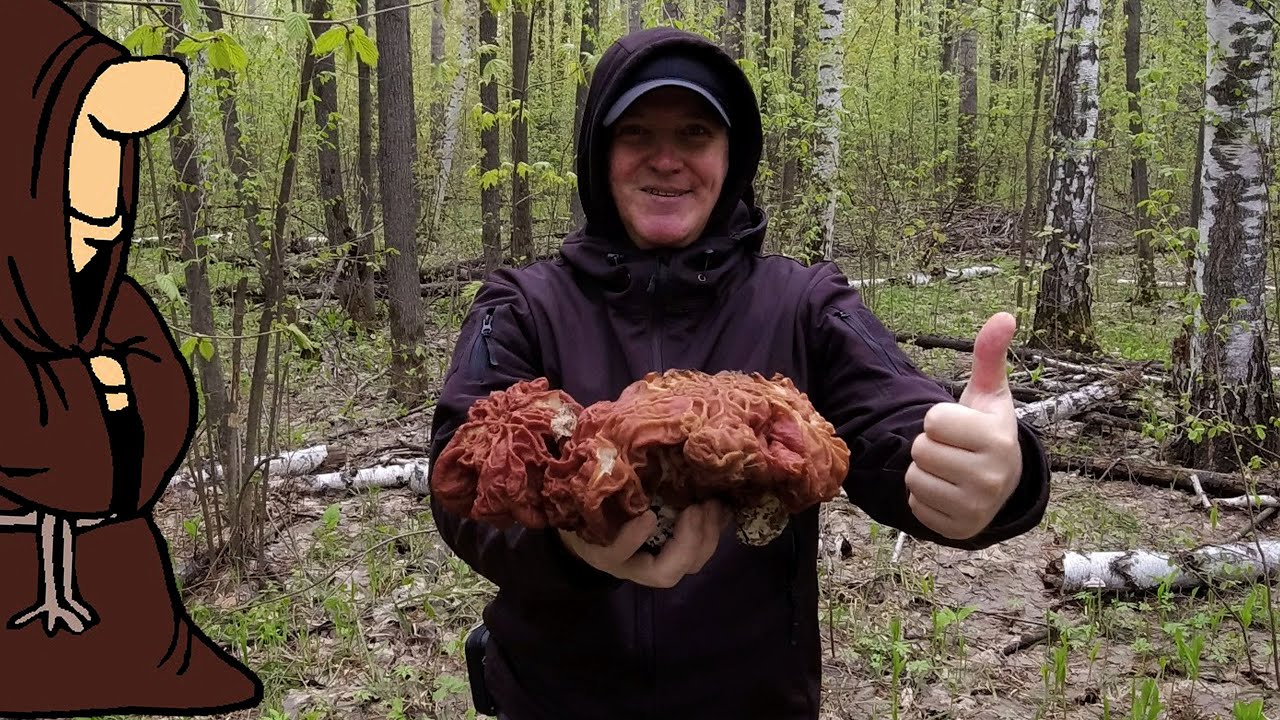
[668, 161]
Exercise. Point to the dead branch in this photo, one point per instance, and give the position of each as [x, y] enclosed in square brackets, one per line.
[1148, 473]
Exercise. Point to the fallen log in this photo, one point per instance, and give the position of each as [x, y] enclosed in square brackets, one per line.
[409, 474]
[1148, 473]
[1141, 570]
[1047, 412]
[290, 463]
[918, 279]
[1078, 362]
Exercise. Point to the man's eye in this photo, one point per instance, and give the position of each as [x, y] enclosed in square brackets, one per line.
[697, 130]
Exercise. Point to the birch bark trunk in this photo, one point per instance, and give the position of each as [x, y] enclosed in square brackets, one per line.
[830, 81]
[1064, 316]
[1230, 375]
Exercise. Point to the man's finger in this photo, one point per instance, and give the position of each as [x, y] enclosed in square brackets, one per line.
[959, 426]
[134, 97]
[989, 382]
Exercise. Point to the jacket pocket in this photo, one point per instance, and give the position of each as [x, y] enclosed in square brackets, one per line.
[855, 323]
[482, 356]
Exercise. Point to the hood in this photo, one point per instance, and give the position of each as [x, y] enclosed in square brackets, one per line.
[601, 248]
[49, 67]
[608, 82]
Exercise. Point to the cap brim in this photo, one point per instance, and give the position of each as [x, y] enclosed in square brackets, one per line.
[630, 96]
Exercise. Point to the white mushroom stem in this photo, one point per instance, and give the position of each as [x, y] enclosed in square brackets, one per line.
[23, 521]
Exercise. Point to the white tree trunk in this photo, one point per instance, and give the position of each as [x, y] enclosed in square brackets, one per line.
[453, 112]
[1064, 316]
[1135, 570]
[920, 278]
[411, 474]
[1228, 353]
[830, 84]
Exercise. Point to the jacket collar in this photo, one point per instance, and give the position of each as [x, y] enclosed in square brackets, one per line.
[673, 280]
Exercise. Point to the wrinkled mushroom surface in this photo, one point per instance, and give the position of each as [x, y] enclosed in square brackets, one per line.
[670, 439]
[492, 468]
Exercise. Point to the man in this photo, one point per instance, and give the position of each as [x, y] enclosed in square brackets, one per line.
[666, 273]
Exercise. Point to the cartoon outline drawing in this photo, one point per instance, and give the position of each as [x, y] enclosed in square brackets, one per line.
[97, 405]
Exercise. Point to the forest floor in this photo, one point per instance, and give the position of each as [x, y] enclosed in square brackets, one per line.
[360, 612]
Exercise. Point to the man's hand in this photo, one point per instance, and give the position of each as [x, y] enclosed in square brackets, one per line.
[967, 462]
[111, 374]
[697, 533]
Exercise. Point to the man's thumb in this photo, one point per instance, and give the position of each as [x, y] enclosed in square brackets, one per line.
[989, 351]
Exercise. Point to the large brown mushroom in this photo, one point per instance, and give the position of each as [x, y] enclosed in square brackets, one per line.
[670, 439]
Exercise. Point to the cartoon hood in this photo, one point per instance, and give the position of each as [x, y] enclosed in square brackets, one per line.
[49, 67]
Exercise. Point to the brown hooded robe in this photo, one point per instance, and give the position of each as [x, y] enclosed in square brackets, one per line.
[61, 452]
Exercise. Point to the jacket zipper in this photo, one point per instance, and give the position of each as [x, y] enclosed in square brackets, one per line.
[655, 314]
[645, 603]
[856, 325]
[482, 343]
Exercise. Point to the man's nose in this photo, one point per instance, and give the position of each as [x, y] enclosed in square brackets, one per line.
[666, 156]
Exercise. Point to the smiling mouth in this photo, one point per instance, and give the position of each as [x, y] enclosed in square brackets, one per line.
[656, 192]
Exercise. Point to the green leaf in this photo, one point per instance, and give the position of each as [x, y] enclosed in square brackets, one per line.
[329, 40]
[188, 347]
[168, 286]
[299, 338]
[206, 349]
[141, 39]
[297, 26]
[237, 58]
[219, 58]
[191, 12]
[365, 47]
[189, 46]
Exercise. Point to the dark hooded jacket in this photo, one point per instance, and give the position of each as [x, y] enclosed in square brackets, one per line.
[740, 639]
[63, 454]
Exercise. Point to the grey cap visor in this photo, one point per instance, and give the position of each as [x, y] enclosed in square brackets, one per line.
[634, 94]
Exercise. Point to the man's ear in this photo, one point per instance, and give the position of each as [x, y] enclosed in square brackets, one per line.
[134, 97]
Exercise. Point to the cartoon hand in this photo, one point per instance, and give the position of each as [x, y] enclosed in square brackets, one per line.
[129, 99]
[111, 374]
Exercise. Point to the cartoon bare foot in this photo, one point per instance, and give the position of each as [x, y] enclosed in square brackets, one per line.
[57, 604]
[75, 620]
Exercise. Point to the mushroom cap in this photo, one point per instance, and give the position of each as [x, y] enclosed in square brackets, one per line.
[672, 439]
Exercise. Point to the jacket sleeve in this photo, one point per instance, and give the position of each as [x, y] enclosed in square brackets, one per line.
[877, 399]
[497, 348]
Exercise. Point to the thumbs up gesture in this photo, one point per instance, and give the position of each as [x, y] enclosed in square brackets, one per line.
[967, 462]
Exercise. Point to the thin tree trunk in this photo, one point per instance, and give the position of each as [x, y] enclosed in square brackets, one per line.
[734, 20]
[1146, 292]
[452, 116]
[397, 150]
[521, 202]
[1064, 314]
[791, 150]
[364, 168]
[190, 196]
[830, 83]
[1230, 373]
[586, 47]
[967, 122]
[490, 195]
[1029, 170]
[634, 19]
[337, 222]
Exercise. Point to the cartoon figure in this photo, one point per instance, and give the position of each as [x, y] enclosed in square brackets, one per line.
[97, 407]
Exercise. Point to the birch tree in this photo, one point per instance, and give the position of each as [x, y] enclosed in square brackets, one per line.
[1064, 316]
[830, 81]
[1230, 376]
